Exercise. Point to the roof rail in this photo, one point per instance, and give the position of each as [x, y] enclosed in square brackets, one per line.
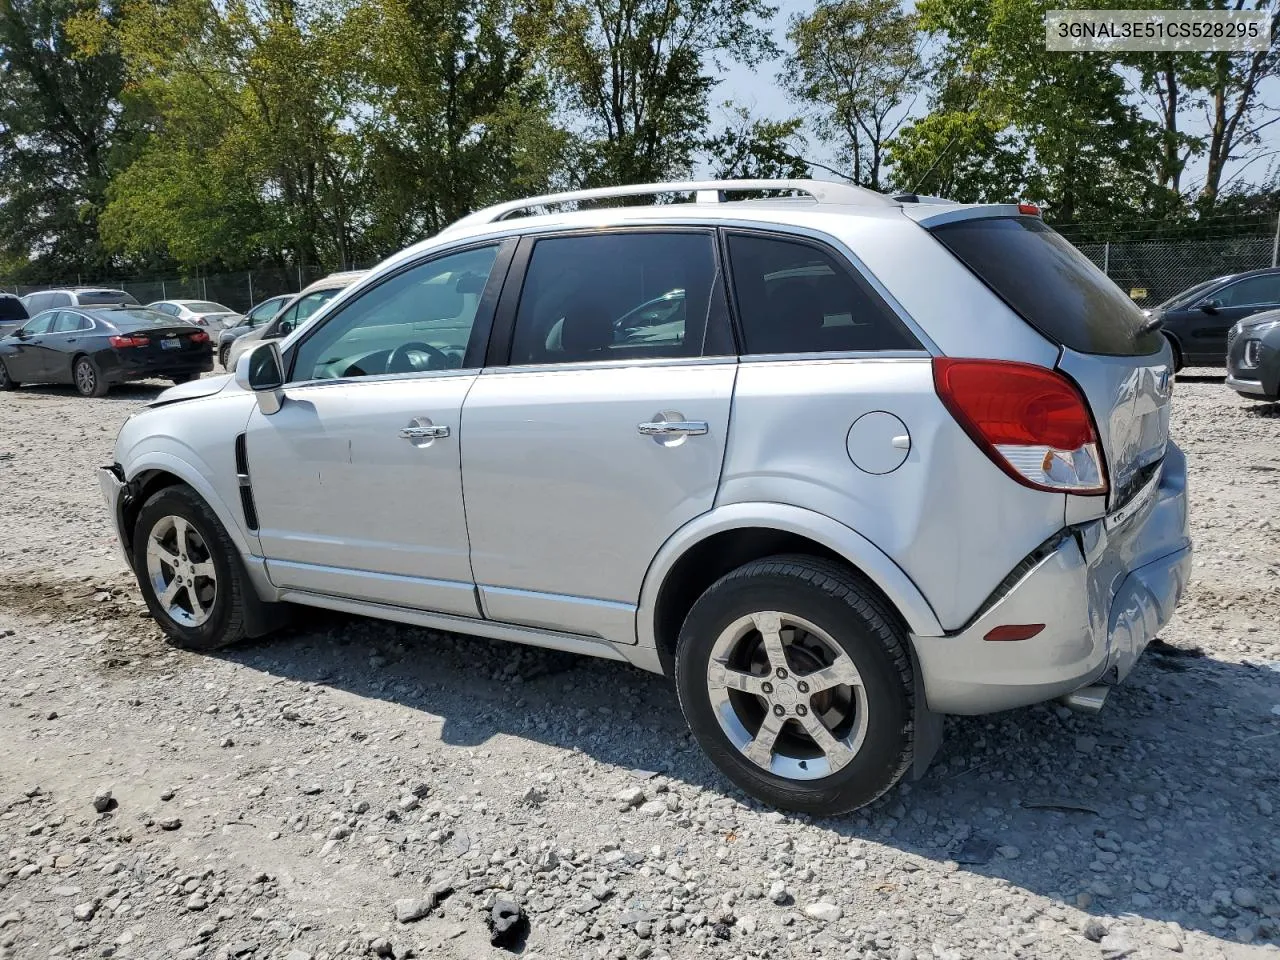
[705, 191]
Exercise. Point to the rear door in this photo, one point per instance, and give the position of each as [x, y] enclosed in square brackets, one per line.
[61, 343]
[592, 436]
[1124, 370]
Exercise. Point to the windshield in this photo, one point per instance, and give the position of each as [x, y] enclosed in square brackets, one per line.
[1191, 293]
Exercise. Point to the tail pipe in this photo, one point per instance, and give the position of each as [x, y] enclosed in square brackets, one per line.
[1088, 700]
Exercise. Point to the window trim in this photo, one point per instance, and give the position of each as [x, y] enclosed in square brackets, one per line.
[852, 267]
[480, 326]
[502, 339]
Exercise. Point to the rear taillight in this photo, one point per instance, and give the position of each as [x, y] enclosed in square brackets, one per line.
[199, 337]
[1032, 422]
[128, 341]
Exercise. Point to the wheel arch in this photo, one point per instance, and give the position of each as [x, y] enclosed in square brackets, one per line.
[708, 547]
[159, 470]
[1176, 346]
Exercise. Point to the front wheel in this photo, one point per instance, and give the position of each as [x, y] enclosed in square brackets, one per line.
[224, 357]
[184, 378]
[795, 678]
[88, 380]
[7, 382]
[189, 570]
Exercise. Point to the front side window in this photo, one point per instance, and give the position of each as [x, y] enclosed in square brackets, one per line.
[304, 308]
[617, 296]
[794, 297]
[40, 324]
[1250, 292]
[263, 311]
[417, 321]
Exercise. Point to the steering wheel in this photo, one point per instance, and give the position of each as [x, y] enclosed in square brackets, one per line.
[401, 359]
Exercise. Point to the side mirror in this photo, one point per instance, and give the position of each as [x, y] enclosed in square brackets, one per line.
[261, 370]
[21, 333]
[1210, 306]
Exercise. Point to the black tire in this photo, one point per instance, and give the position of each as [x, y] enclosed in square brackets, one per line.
[87, 378]
[226, 620]
[5, 382]
[838, 601]
[1177, 352]
[224, 354]
[185, 378]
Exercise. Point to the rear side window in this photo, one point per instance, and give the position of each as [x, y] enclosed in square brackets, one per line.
[794, 297]
[1050, 284]
[69, 323]
[619, 296]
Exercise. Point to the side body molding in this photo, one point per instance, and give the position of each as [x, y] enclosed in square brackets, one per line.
[848, 543]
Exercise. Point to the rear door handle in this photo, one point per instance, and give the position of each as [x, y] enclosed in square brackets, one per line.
[674, 428]
[432, 432]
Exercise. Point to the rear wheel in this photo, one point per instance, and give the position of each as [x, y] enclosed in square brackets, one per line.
[795, 679]
[6, 382]
[189, 570]
[88, 379]
[1177, 353]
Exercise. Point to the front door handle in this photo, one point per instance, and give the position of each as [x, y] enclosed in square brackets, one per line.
[432, 432]
[674, 428]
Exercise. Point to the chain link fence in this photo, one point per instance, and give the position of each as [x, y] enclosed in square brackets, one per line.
[1152, 271]
[239, 290]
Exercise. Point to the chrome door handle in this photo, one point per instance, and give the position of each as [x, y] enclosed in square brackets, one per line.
[674, 428]
[424, 433]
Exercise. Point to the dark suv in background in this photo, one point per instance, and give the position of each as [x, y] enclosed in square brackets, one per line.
[12, 314]
[1196, 321]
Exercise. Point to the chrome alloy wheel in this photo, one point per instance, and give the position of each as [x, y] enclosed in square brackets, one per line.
[86, 377]
[787, 695]
[181, 571]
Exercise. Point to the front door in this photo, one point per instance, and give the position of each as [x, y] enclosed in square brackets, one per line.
[356, 478]
[27, 361]
[1235, 301]
[605, 431]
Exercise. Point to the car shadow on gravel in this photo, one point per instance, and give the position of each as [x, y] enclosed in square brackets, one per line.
[1162, 806]
[1264, 411]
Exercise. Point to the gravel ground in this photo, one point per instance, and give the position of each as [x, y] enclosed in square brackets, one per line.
[351, 788]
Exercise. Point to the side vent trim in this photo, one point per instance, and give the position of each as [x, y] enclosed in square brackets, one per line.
[246, 489]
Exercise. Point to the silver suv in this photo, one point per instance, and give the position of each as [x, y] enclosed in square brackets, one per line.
[835, 463]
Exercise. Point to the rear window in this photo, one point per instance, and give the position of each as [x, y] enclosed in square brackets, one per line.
[11, 309]
[90, 298]
[208, 306]
[141, 318]
[1051, 284]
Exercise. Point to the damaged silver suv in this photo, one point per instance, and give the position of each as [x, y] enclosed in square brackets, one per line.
[836, 463]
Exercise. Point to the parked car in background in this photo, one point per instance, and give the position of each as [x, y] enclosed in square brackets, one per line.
[742, 444]
[1196, 321]
[261, 313]
[203, 313]
[12, 314]
[1253, 357]
[94, 348]
[75, 297]
[302, 306]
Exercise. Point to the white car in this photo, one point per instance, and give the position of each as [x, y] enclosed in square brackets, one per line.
[204, 313]
[836, 463]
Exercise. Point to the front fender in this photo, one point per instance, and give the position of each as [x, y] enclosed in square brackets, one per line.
[188, 467]
[848, 543]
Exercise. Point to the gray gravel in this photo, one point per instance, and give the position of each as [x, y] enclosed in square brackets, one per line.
[357, 789]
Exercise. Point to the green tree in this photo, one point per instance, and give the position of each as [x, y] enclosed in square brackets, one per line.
[1086, 151]
[636, 76]
[63, 130]
[858, 63]
[752, 149]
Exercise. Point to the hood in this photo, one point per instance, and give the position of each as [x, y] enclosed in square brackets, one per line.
[204, 387]
[1258, 319]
